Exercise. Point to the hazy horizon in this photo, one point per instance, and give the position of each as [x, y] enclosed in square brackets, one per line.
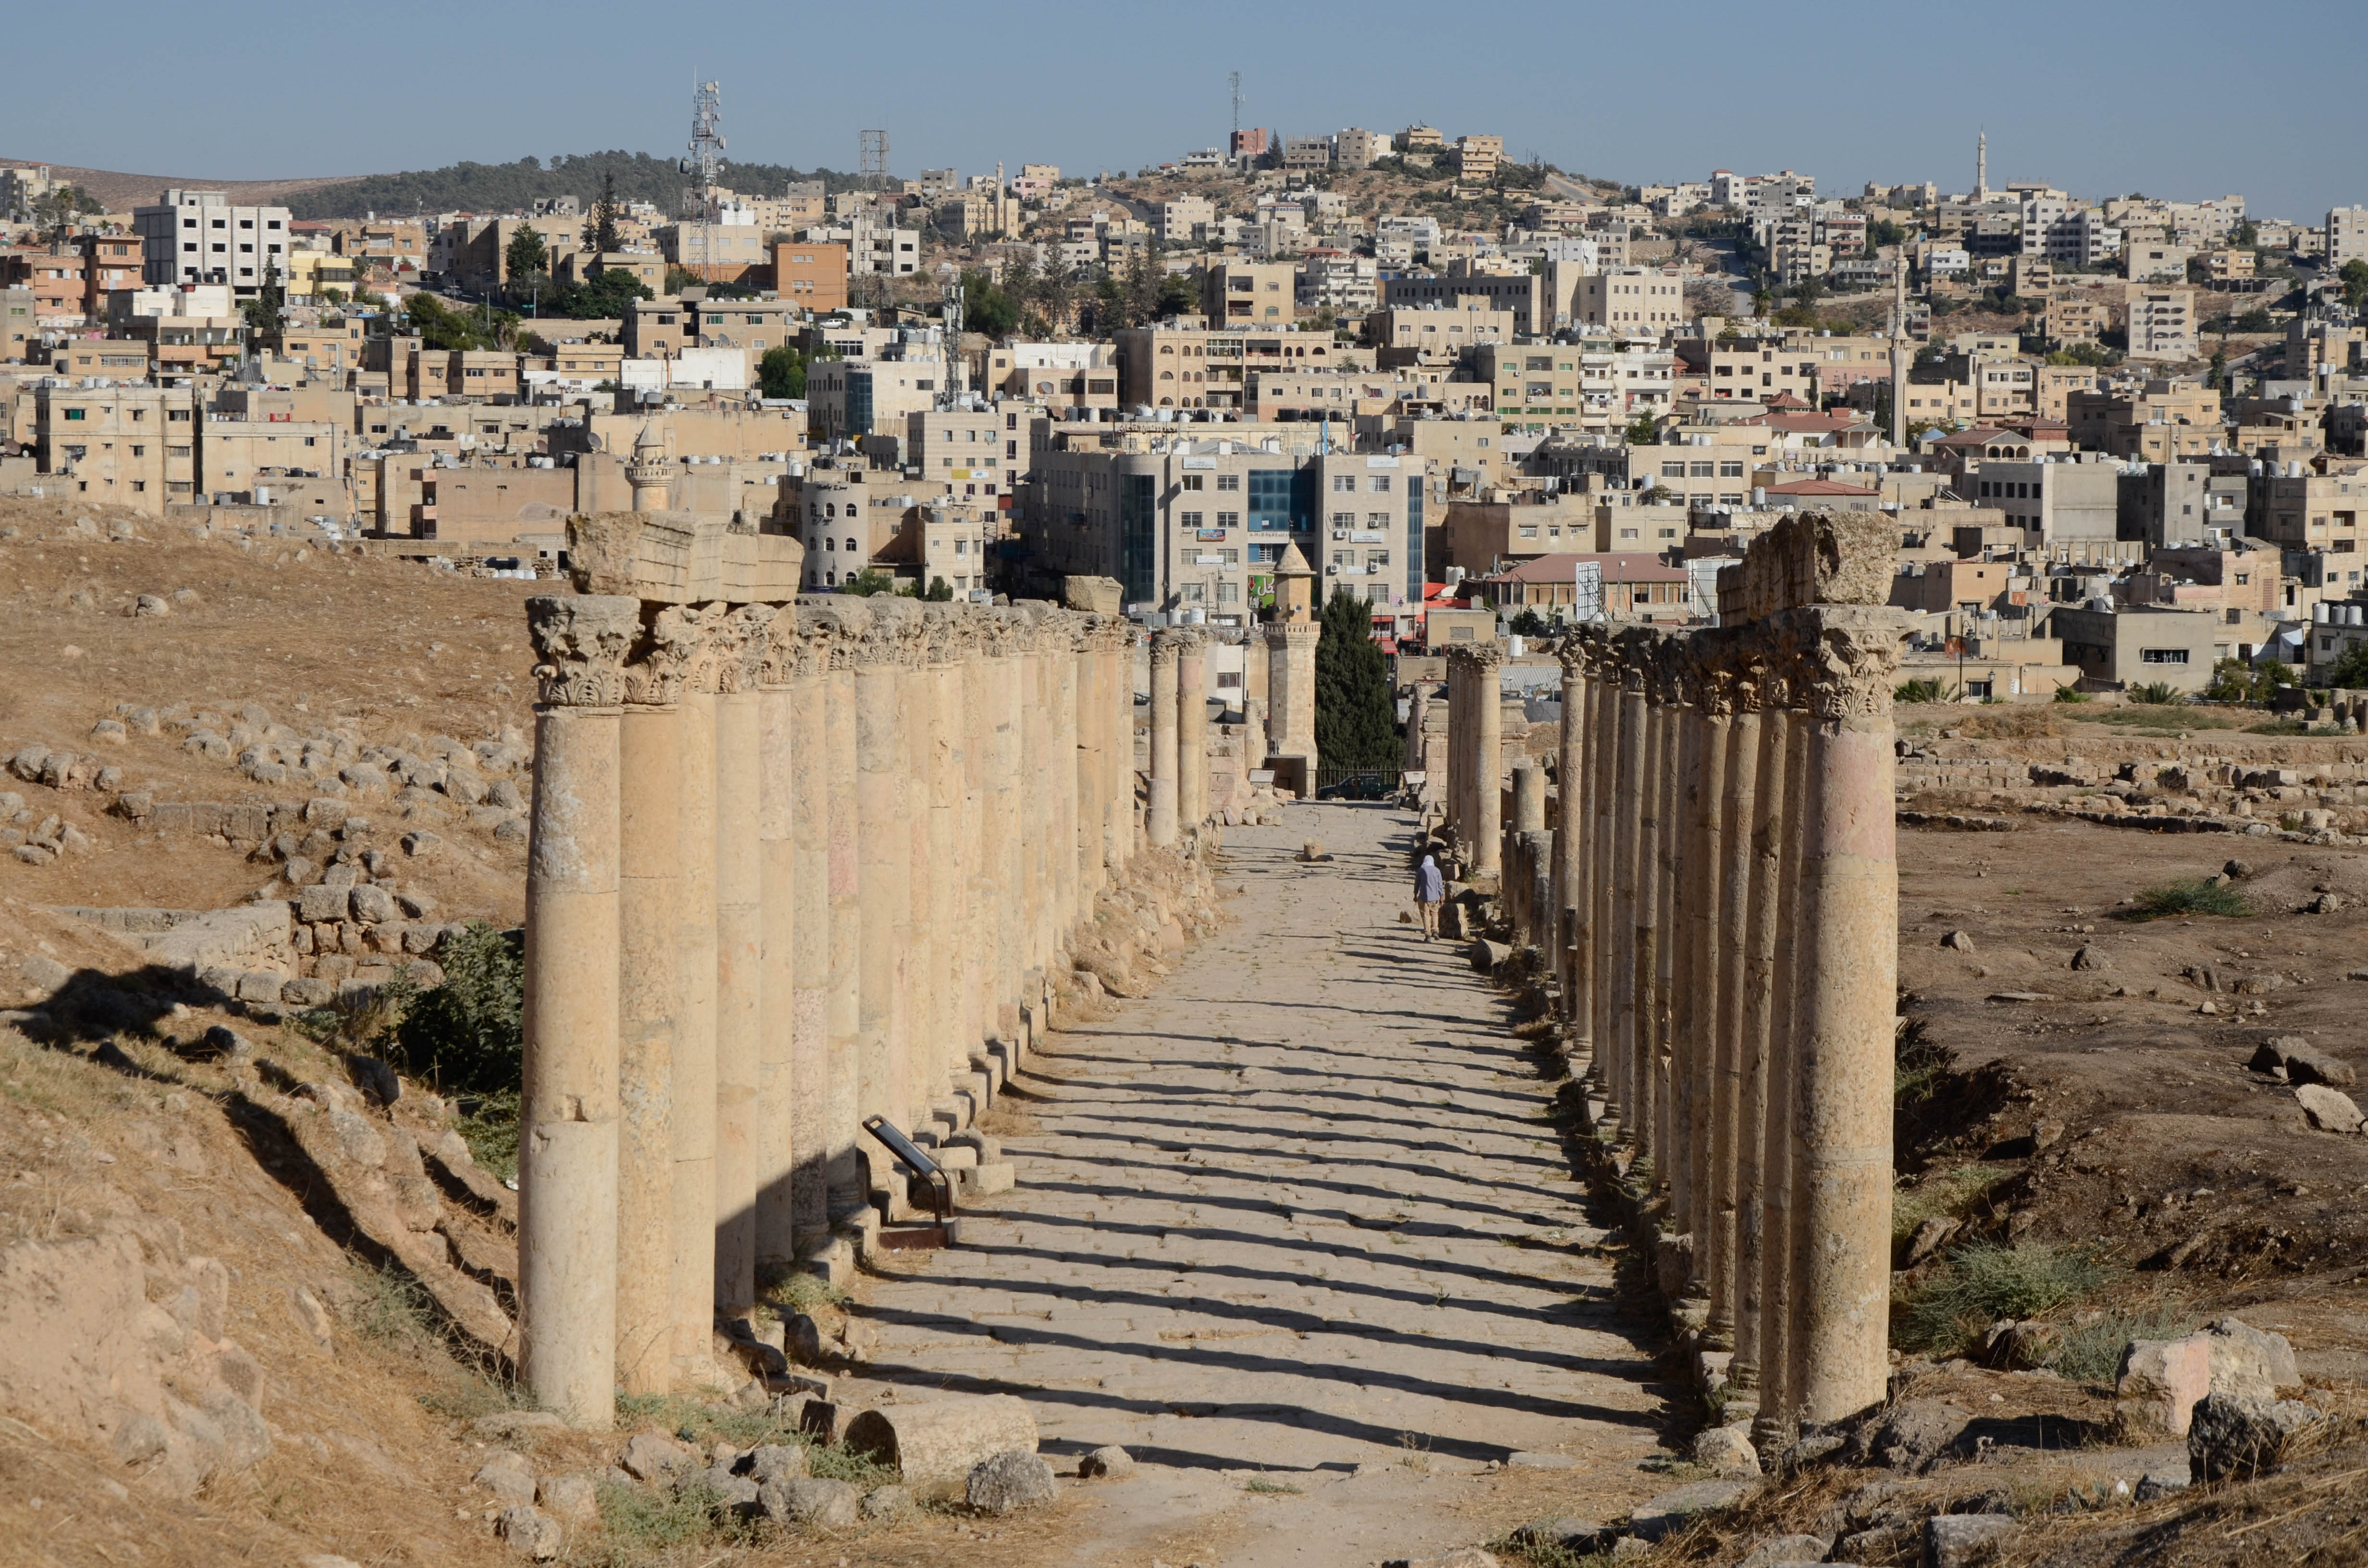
[2099, 101]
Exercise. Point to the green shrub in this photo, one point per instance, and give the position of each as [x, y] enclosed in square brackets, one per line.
[1921, 689]
[1917, 1062]
[2200, 896]
[2155, 693]
[1988, 1280]
[468, 1034]
[2091, 1353]
[2070, 694]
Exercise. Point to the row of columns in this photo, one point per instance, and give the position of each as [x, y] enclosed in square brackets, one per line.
[1179, 772]
[792, 865]
[1720, 903]
[1475, 726]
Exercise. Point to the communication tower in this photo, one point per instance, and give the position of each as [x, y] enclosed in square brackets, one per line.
[873, 165]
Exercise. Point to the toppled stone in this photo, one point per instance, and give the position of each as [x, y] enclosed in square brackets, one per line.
[1110, 1463]
[2248, 1362]
[532, 1533]
[777, 1461]
[571, 1499]
[2237, 1437]
[1914, 1435]
[1668, 1512]
[2090, 956]
[2158, 1484]
[1957, 1541]
[1007, 1482]
[1578, 1537]
[1958, 942]
[655, 1457]
[1787, 1549]
[151, 604]
[886, 1502]
[809, 1502]
[509, 1477]
[2297, 1061]
[1725, 1451]
[2330, 1110]
[2325, 903]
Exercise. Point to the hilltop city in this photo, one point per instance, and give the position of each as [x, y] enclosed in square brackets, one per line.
[2117, 433]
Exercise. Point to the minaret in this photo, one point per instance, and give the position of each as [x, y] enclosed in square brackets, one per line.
[1982, 167]
[1900, 349]
[649, 473]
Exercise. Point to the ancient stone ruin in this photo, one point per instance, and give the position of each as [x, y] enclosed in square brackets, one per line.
[795, 863]
[1718, 905]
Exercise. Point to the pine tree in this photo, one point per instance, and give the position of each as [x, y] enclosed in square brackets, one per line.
[604, 217]
[1356, 716]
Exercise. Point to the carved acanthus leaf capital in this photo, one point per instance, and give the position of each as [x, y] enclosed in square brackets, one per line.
[580, 644]
[740, 648]
[1845, 658]
[669, 646]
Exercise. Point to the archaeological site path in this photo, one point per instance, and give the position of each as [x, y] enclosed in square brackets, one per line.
[1296, 1232]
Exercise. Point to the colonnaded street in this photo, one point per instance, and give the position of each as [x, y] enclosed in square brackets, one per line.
[1297, 1231]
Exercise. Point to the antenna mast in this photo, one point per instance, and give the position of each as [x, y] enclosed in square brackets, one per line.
[705, 168]
[1232, 143]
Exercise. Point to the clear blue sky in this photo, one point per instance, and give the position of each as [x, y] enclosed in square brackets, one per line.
[2173, 97]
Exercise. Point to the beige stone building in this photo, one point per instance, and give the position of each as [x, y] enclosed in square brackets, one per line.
[125, 446]
[1632, 298]
[2161, 322]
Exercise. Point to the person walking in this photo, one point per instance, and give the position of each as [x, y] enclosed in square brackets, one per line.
[1429, 893]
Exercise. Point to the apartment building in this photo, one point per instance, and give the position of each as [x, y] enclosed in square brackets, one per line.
[1186, 220]
[55, 277]
[1476, 157]
[1249, 293]
[724, 251]
[198, 236]
[1436, 335]
[1337, 281]
[974, 452]
[811, 275]
[236, 456]
[2347, 234]
[1758, 367]
[2161, 322]
[1051, 375]
[18, 336]
[1534, 384]
[1523, 293]
[1162, 367]
[2161, 421]
[848, 399]
[126, 446]
[109, 262]
[2080, 314]
[1358, 149]
[1307, 153]
[2299, 509]
[1629, 300]
[2052, 501]
[1186, 523]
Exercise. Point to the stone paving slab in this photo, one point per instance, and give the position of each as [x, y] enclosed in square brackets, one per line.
[1299, 1213]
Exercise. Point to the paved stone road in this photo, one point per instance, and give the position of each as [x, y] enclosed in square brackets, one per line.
[1298, 1212]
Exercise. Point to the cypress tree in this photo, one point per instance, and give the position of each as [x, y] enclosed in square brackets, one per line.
[1356, 716]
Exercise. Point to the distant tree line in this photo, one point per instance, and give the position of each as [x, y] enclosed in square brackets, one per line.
[504, 187]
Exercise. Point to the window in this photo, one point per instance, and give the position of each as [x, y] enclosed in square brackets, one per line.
[1229, 482]
[1731, 469]
[2162, 655]
[74, 414]
[1188, 520]
[1342, 483]
[1379, 485]
[1234, 521]
[1704, 471]
[1673, 470]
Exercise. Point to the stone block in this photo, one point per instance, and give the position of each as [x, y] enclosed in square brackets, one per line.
[984, 1181]
[320, 904]
[1811, 558]
[1959, 1541]
[2160, 1382]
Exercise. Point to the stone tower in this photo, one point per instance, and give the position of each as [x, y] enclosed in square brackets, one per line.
[649, 473]
[1291, 674]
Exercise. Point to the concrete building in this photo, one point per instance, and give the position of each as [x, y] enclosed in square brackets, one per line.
[2053, 503]
[1476, 158]
[125, 446]
[240, 458]
[2301, 509]
[198, 236]
[974, 452]
[1193, 522]
[1358, 149]
[2139, 645]
[1522, 293]
[1632, 299]
[2347, 234]
[1249, 293]
[1163, 367]
[848, 399]
[2161, 322]
[1186, 220]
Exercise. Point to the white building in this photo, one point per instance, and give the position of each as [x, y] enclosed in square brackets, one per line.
[198, 236]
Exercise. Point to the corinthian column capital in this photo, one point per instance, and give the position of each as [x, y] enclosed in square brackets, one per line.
[1843, 657]
[669, 646]
[580, 644]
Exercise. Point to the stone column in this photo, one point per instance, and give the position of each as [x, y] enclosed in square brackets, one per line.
[810, 830]
[1035, 814]
[649, 991]
[976, 717]
[1459, 815]
[739, 952]
[843, 1016]
[1093, 815]
[1529, 796]
[1290, 692]
[1678, 864]
[1737, 805]
[1563, 919]
[1845, 1010]
[1764, 913]
[1627, 943]
[1487, 743]
[1122, 634]
[567, 1154]
[1004, 827]
[1707, 849]
[1193, 732]
[1163, 739]
[884, 853]
[1613, 836]
[1653, 928]
[1062, 847]
[776, 1133]
[948, 1047]
[696, 1012]
[918, 751]
[1779, 1372]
